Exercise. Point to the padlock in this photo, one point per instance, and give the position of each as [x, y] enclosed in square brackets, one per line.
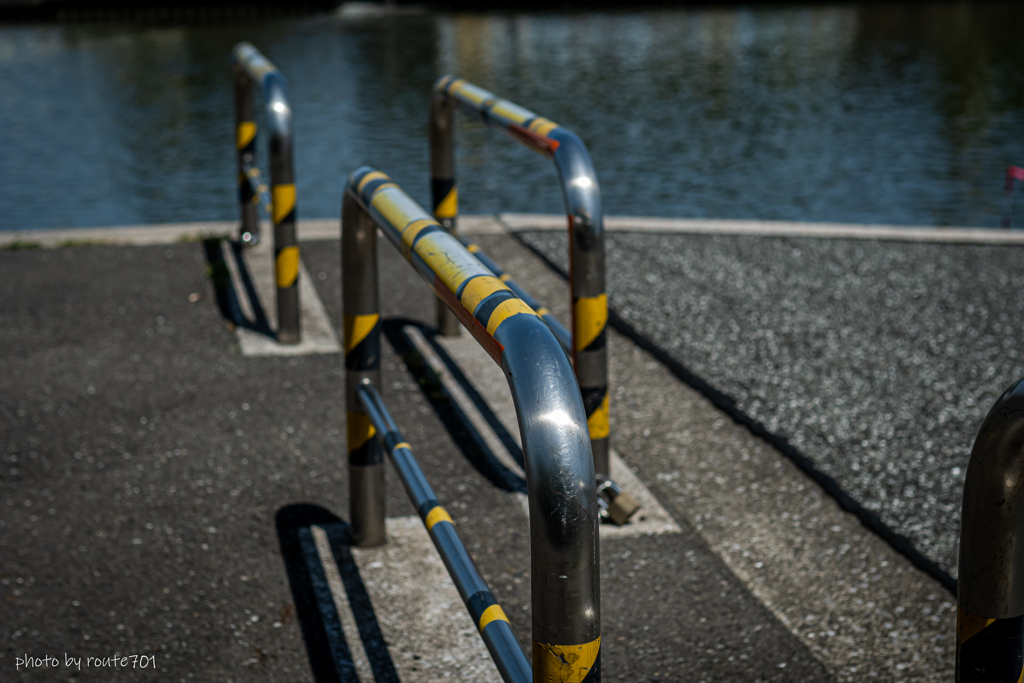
[616, 505]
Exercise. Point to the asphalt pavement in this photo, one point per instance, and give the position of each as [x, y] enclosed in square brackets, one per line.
[153, 478]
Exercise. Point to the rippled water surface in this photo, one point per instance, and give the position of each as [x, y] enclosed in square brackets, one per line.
[878, 114]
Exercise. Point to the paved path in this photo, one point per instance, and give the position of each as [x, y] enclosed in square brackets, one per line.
[165, 494]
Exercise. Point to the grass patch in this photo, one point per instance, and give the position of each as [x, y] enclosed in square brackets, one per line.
[72, 243]
[21, 245]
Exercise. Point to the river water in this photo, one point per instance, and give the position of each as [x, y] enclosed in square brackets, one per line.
[900, 114]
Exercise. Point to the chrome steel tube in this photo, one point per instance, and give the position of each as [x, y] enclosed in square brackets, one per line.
[361, 336]
[990, 584]
[582, 198]
[444, 191]
[485, 611]
[251, 63]
[560, 476]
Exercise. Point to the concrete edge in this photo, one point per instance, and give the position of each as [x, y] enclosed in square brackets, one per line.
[524, 221]
[329, 228]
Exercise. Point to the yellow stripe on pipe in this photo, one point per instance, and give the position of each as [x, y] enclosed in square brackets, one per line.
[404, 444]
[512, 112]
[597, 421]
[449, 206]
[244, 133]
[357, 327]
[542, 126]
[504, 277]
[504, 311]
[373, 175]
[438, 514]
[412, 230]
[396, 207]
[360, 429]
[492, 613]
[564, 663]
[451, 265]
[478, 289]
[969, 625]
[283, 197]
[473, 248]
[591, 318]
[542, 311]
[286, 267]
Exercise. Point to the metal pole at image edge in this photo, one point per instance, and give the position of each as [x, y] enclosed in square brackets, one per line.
[282, 187]
[990, 584]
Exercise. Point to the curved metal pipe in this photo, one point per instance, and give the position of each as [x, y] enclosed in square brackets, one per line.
[990, 585]
[251, 67]
[564, 515]
[582, 198]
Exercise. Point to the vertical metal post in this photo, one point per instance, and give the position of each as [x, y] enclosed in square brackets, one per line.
[586, 287]
[245, 144]
[361, 322]
[282, 193]
[990, 587]
[250, 62]
[444, 190]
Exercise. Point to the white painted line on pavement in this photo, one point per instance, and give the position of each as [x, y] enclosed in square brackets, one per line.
[341, 604]
[517, 222]
[430, 635]
[330, 229]
[318, 334]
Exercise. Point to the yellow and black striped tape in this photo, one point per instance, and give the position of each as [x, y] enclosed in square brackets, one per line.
[363, 449]
[286, 266]
[283, 199]
[245, 135]
[590, 319]
[567, 663]
[445, 194]
[989, 650]
[362, 341]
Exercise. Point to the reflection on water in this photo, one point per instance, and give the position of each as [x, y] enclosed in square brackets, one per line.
[881, 114]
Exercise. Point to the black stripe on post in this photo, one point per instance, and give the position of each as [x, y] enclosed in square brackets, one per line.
[439, 189]
[995, 654]
[600, 342]
[592, 397]
[366, 354]
[370, 453]
[478, 603]
[594, 675]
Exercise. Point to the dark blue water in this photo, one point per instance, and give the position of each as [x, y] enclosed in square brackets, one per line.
[876, 114]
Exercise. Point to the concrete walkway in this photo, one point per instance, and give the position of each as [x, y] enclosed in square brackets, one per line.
[167, 495]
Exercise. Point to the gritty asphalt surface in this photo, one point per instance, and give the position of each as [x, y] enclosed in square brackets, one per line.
[877, 360]
[146, 465]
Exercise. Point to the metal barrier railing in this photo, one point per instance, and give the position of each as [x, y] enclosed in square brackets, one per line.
[252, 68]
[990, 585]
[563, 505]
[582, 199]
